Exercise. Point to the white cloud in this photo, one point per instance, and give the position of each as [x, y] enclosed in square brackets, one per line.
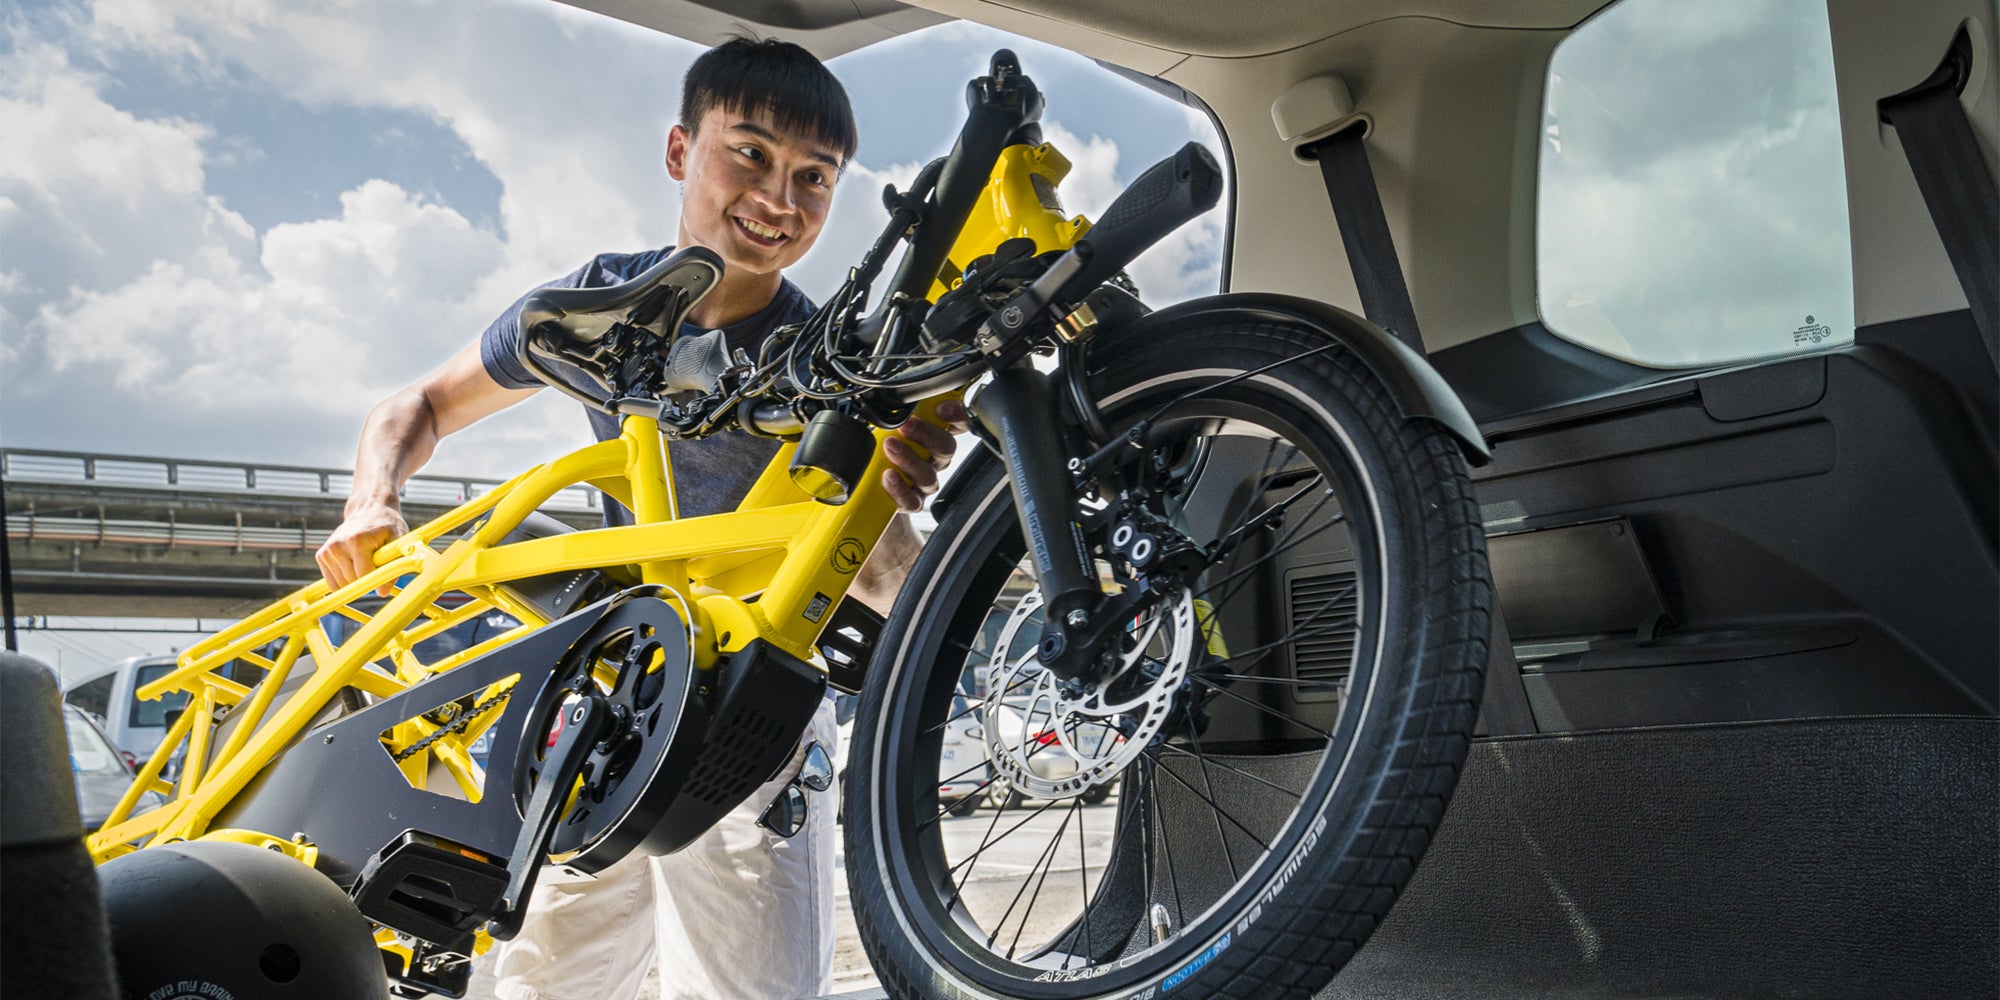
[97, 191]
[189, 307]
[309, 324]
[1183, 264]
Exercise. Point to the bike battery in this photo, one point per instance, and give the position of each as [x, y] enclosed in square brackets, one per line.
[761, 700]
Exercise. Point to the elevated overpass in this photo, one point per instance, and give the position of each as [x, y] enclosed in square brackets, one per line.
[139, 536]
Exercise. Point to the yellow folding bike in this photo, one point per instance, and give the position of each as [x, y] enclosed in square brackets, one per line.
[1223, 558]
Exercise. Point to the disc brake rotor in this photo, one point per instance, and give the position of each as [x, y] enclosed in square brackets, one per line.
[1057, 744]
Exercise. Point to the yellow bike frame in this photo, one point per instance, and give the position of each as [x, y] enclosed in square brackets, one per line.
[771, 569]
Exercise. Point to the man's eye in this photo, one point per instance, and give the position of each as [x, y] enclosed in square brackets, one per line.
[815, 177]
[751, 152]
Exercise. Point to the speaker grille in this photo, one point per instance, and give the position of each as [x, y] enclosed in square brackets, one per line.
[1323, 657]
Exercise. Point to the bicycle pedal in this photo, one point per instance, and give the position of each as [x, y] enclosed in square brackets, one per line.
[431, 889]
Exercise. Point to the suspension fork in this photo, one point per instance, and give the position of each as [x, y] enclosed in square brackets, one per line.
[1016, 409]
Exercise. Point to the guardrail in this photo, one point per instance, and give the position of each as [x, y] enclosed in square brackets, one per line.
[139, 471]
[238, 537]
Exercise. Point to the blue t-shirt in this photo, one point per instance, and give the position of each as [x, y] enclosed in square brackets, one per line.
[710, 474]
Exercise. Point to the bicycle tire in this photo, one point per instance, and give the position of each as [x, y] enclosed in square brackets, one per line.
[1373, 799]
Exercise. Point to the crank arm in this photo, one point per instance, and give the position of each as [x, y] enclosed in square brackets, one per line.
[588, 722]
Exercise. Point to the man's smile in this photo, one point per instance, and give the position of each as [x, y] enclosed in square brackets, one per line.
[759, 233]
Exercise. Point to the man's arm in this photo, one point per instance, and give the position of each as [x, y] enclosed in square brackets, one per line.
[401, 433]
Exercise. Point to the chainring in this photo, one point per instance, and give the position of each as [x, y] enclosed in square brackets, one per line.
[638, 657]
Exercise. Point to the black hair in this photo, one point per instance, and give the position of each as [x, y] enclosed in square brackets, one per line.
[782, 78]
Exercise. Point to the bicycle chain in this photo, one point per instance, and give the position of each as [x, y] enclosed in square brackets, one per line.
[457, 726]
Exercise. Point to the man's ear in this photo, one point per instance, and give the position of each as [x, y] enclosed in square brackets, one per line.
[678, 141]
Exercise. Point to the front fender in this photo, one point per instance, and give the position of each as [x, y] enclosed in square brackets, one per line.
[1420, 392]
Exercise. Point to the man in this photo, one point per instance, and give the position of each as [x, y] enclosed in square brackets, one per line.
[763, 135]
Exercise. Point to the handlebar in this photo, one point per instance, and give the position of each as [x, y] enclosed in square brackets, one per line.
[999, 104]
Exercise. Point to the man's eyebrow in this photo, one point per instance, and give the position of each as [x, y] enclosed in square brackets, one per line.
[771, 137]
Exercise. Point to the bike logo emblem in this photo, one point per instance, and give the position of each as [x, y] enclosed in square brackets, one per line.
[848, 555]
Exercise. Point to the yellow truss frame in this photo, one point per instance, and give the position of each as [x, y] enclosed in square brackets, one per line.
[771, 569]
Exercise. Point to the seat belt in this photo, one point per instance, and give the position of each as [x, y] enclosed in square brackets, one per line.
[1956, 182]
[1364, 231]
[1385, 300]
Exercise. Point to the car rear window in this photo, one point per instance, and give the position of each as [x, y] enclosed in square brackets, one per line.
[153, 713]
[88, 752]
[1692, 198]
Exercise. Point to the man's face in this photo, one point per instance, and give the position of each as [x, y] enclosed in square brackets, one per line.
[752, 192]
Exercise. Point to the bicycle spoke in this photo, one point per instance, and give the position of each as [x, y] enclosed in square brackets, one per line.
[1284, 681]
[1209, 798]
[1030, 755]
[975, 708]
[1083, 887]
[1166, 841]
[1219, 689]
[1055, 844]
[1042, 865]
[1221, 814]
[1229, 539]
[973, 858]
[1238, 771]
[1285, 543]
[1298, 632]
[971, 863]
[1280, 549]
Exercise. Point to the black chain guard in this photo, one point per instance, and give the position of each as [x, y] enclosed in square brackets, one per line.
[339, 788]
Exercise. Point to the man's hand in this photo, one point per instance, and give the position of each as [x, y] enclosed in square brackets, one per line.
[349, 553]
[920, 450]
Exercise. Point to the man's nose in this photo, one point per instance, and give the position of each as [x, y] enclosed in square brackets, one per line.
[776, 191]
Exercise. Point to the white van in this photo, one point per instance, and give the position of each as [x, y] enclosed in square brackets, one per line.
[135, 726]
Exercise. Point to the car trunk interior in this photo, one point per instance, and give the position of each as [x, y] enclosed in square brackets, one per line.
[1745, 742]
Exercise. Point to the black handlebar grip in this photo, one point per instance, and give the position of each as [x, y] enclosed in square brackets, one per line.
[1165, 197]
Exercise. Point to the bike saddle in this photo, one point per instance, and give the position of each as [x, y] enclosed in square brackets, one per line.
[576, 325]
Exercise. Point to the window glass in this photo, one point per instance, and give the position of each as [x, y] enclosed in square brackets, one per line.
[154, 713]
[1693, 206]
[88, 753]
[93, 696]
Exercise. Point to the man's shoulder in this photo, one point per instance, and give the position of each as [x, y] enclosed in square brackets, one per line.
[792, 303]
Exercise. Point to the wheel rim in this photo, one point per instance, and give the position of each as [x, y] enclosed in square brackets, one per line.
[1116, 933]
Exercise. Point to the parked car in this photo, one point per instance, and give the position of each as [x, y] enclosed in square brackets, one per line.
[962, 768]
[133, 725]
[102, 771]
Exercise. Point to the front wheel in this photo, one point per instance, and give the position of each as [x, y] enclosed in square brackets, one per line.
[1284, 715]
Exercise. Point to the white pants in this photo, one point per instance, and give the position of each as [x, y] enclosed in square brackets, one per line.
[740, 914]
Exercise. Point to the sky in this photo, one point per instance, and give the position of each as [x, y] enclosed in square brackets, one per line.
[229, 227]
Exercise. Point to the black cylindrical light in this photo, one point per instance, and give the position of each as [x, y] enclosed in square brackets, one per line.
[833, 455]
